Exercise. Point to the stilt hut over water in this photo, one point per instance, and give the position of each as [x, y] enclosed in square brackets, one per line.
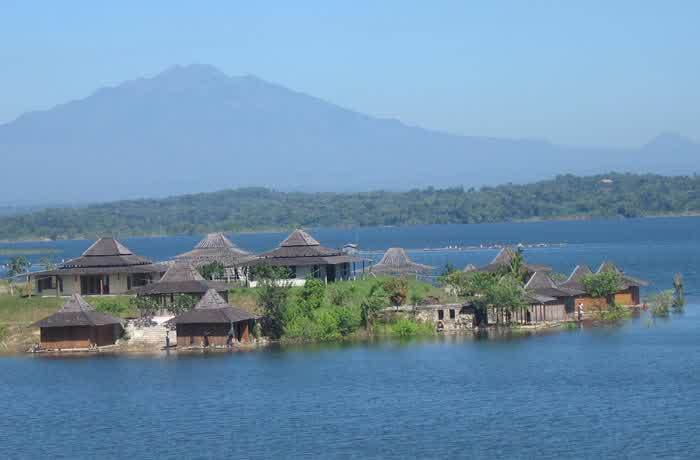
[106, 267]
[215, 247]
[77, 325]
[213, 322]
[304, 257]
[181, 278]
[396, 262]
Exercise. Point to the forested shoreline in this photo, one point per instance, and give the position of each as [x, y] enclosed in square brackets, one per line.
[565, 197]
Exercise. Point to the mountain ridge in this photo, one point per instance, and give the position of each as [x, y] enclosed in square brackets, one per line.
[193, 128]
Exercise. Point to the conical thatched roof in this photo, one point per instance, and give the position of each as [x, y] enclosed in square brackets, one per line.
[104, 256]
[299, 238]
[575, 280]
[180, 278]
[505, 257]
[213, 309]
[301, 249]
[541, 284]
[396, 262]
[215, 247]
[77, 312]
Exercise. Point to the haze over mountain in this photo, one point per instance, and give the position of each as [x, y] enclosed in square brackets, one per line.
[193, 128]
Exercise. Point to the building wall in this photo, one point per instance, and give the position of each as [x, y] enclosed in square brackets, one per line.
[72, 337]
[71, 285]
[463, 318]
[628, 297]
[189, 335]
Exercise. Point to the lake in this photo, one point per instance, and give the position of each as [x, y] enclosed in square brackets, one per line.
[628, 391]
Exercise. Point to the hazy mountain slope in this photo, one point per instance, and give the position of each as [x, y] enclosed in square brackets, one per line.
[195, 129]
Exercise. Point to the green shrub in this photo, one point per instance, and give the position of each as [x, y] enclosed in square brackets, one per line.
[615, 313]
[397, 290]
[661, 303]
[405, 327]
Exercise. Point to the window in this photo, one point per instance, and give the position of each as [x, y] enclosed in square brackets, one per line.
[452, 313]
[292, 272]
[441, 314]
[45, 283]
[316, 271]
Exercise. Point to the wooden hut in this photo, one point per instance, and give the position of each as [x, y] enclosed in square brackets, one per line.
[215, 247]
[575, 282]
[556, 302]
[304, 257]
[78, 326]
[181, 277]
[629, 293]
[396, 262]
[503, 260]
[106, 267]
[212, 322]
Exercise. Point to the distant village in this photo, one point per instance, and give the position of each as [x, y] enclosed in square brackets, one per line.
[108, 267]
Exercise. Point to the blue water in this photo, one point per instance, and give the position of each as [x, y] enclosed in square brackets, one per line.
[610, 392]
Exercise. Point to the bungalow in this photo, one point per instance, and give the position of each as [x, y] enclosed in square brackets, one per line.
[78, 326]
[304, 257]
[215, 247]
[180, 278]
[106, 267]
[549, 301]
[575, 282]
[213, 322]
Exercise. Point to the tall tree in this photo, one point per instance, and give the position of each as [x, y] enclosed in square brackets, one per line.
[17, 266]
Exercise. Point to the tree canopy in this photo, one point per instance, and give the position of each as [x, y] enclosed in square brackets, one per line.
[626, 195]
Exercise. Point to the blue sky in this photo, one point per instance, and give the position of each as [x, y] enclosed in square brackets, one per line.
[582, 73]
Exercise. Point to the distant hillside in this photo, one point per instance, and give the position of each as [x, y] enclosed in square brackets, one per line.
[193, 129]
[567, 196]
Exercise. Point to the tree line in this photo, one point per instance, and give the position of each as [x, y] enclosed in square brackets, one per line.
[252, 208]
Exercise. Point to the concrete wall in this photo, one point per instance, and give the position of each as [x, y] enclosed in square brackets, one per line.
[71, 285]
[463, 318]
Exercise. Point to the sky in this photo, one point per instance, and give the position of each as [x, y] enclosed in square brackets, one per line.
[572, 72]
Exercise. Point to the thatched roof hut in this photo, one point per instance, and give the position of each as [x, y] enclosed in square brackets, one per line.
[216, 247]
[212, 322]
[78, 325]
[541, 284]
[503, 259]
[575, 280]
[395, 262]
[105, 256]
[469, 268]
[304, 256]
[106, 267]
[181, 278]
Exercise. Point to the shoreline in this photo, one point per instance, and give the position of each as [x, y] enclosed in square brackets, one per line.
[573, 218]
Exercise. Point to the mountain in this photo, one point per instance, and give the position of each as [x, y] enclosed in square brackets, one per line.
[193, 128]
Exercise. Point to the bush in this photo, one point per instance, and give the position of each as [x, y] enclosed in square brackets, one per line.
[312, 294]
[213, 270]
[405, 327]
[339, 295]
[615, 313]
[661, 303]
[397, 290]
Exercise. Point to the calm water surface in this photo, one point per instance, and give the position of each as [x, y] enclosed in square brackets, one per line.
[630, 391]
